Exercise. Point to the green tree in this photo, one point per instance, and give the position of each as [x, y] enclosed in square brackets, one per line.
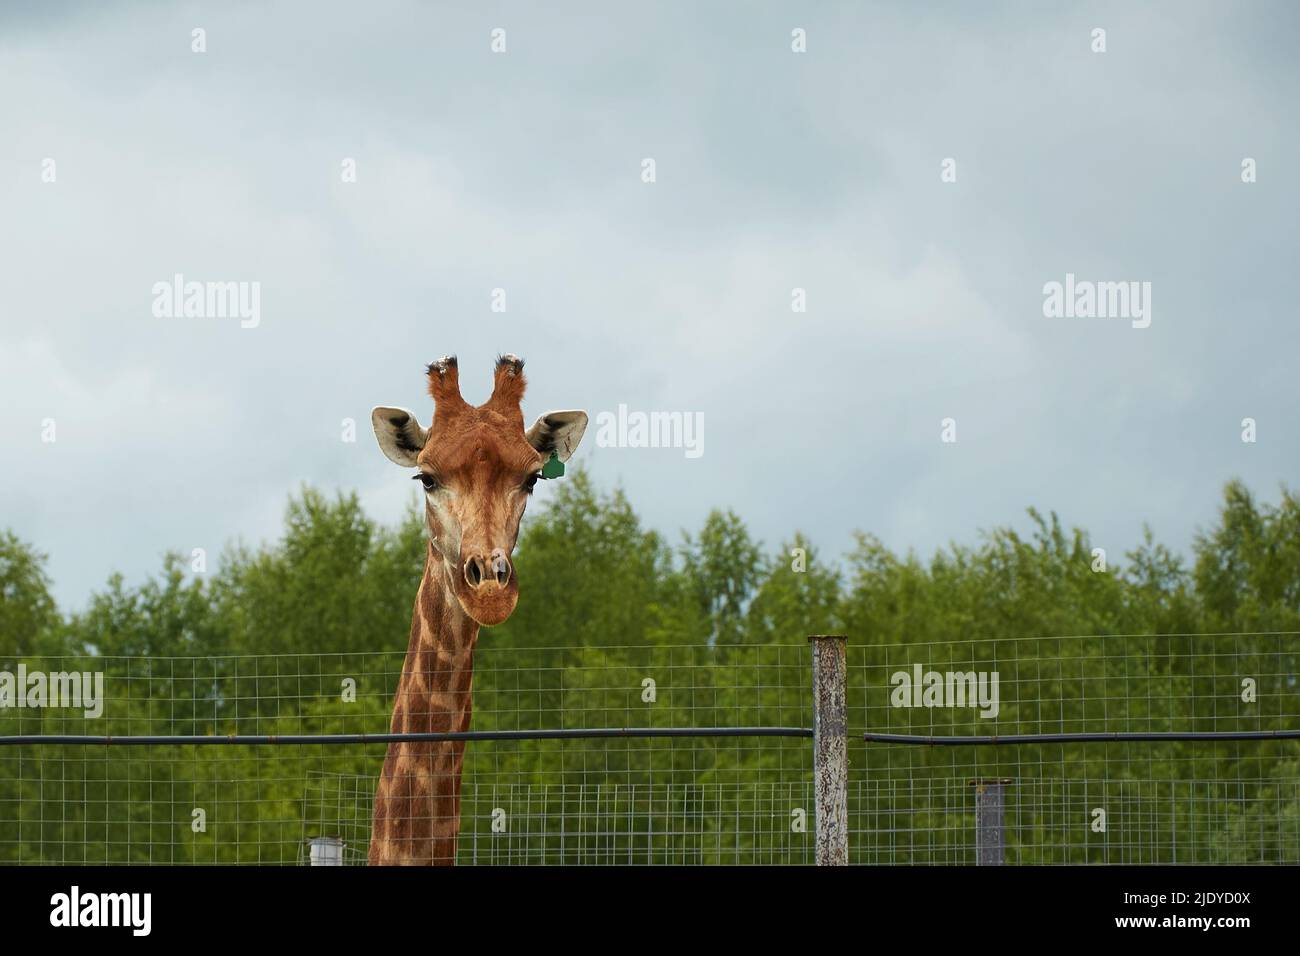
[29, 621]
[723, 565]
[1247, 568]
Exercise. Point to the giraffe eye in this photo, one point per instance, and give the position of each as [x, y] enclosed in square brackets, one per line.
[430, 483]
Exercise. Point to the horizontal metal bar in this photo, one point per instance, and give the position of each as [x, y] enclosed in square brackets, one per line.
[590, 733]
[1090, 738]
[255, 740]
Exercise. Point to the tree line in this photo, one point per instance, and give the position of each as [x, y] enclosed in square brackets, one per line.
[617, 625]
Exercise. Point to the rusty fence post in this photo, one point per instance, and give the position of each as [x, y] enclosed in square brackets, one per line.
[990, 821]
[830, 756]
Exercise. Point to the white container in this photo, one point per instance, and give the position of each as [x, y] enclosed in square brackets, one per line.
[326, 851]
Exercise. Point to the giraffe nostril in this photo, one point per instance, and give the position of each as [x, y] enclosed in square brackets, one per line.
[484, 569]
[473, 572]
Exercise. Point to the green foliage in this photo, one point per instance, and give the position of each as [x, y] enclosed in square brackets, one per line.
[269, 641]
[28, 618]
[1248, 567]
[721, 568]
[589, 574]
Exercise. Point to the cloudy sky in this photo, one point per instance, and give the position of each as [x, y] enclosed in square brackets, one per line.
[523, 171]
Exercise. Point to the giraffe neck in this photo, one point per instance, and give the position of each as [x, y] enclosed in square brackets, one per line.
[417, 806]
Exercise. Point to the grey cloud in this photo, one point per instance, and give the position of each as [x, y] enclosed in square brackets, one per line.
[819, 171]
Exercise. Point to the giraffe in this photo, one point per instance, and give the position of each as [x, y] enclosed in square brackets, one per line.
[477, 466]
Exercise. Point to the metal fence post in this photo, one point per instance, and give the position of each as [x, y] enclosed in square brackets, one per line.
[990, 818]
[830, 756]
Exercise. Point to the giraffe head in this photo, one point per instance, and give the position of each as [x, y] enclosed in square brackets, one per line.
[477, 466]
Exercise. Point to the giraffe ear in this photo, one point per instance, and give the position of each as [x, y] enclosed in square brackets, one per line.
[559, 432]
[400, 436]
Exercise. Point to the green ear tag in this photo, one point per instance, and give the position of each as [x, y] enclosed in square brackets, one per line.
[553, 468]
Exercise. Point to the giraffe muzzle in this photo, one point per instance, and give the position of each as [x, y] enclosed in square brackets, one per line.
[487, 571]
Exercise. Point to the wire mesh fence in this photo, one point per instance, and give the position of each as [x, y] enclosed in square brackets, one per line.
[707, 799]
[604, 824]
[659, 799]
[1049, 820]
[1212, 800]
